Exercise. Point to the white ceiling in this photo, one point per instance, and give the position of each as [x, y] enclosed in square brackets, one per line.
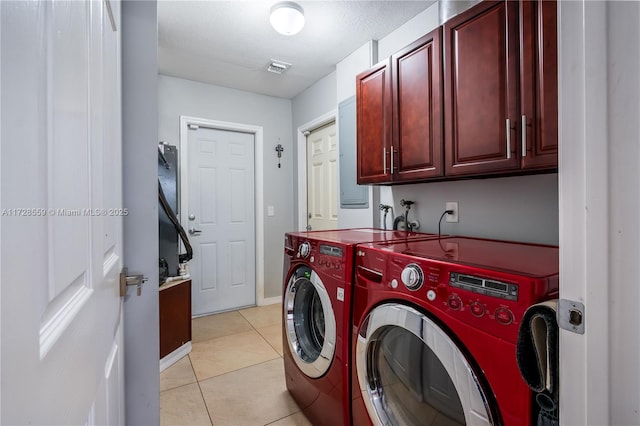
[230, 43]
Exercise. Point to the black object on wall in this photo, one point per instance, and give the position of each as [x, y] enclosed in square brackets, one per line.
[167, 181]
[169, 225]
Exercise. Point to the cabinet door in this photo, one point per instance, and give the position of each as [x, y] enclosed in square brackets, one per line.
[539, 84]
[175, 317]
[481, 89]
[417, 116]
[373, 109]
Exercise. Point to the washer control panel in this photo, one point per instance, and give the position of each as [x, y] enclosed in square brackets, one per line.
[320, 255]
[491, 301]
[486, 286]
[330, 250]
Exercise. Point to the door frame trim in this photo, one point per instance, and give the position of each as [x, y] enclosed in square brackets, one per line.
[302, 161]
[258, 134]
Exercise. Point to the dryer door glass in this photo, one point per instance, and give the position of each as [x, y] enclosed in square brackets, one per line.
[309, 322]
[411, 372]
[414, 382]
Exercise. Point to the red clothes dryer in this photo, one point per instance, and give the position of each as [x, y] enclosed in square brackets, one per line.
[318, 275]
[435, 325]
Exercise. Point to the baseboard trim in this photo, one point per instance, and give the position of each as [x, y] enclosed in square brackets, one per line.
[270, 301]
[175, 356]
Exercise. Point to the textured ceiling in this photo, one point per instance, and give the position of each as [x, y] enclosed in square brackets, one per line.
[230, 43]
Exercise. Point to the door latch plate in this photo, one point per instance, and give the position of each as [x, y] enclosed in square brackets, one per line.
[571, 316]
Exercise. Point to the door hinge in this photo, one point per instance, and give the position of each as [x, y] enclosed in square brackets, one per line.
[194, 126]
[571, 316]
[127, 280]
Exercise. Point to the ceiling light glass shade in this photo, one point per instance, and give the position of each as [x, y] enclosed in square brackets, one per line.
[287, 17]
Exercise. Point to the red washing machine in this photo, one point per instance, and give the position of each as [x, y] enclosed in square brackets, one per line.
[318, 275]
[435, 325]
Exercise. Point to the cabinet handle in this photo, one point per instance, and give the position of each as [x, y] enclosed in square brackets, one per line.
[384, 160]
[524, 135]
[391, 160]
[508, 139]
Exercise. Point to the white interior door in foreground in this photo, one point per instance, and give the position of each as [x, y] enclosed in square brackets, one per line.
[322, 175]
[221, 219]
[62, 350]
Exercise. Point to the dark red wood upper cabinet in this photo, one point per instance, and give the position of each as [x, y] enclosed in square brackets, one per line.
[478, 96]
[373, 111]
[417, 143]
[481, 90]
[539, 84]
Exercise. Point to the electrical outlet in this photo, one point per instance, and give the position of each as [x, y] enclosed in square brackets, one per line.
[452, 205]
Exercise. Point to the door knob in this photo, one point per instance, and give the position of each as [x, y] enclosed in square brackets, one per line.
[194, 231]
[192, 217]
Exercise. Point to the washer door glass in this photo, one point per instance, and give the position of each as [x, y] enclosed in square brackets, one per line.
[310, 322]
[411, 372]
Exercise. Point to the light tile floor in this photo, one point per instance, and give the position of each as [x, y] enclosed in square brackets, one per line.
[234, 374]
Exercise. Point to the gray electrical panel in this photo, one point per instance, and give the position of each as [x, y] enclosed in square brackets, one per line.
[352, 195]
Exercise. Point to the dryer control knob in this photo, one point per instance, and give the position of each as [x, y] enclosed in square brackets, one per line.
[476, 309]
[304, 249]
[412, 276]
[431, 295]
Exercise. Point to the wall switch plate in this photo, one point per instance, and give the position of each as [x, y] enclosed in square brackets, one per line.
[270, 211]
[452, 205]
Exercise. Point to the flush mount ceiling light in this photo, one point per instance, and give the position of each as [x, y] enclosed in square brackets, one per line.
[287, 17]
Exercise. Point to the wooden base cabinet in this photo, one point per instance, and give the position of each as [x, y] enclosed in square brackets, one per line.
[175, 316]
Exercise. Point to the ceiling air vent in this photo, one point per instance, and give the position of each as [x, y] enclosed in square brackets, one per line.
[278, 67]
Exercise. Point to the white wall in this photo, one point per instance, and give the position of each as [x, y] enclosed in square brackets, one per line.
[522, 208]
[409, 32]
[315, 101]
[184, 97]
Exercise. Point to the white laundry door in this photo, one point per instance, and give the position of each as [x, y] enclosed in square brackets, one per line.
[221, 219]
[61, 196]
[322, 175]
